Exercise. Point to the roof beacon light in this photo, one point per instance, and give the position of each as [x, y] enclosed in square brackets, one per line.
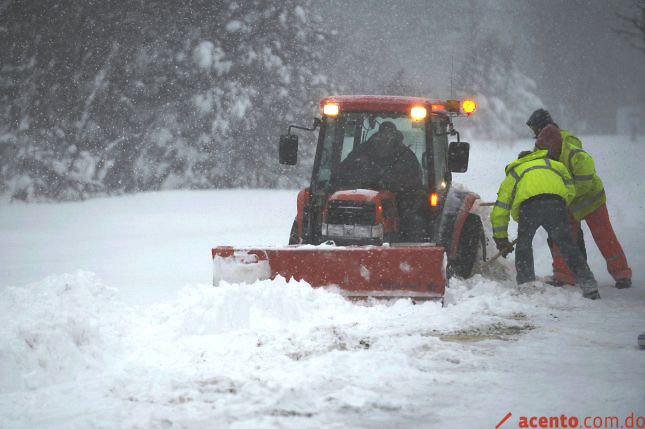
[330, 109]
[418, 113]
[453, 106]
[469, 106]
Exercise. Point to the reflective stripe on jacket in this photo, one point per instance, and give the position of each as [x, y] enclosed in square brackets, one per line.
[590, 192]
[529, 176]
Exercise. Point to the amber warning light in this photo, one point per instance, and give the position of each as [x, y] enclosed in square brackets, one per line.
[469, 106]
[434, 199]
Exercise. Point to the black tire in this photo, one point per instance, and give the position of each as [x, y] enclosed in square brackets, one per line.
[293, 235]
[470, 242]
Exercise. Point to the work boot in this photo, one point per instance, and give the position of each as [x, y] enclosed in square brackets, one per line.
[555, 282]
[590, 290]
[591, 294]
[623, 283]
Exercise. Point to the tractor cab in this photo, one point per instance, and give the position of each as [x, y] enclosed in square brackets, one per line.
[382, 170]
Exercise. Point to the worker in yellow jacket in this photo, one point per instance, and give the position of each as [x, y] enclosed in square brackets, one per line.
[536, 192]
[589, 203]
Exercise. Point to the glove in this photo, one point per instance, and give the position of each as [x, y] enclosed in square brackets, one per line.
[504, 246]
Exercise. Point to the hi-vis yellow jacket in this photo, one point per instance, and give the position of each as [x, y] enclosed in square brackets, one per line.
[530, 176]
[590, 192]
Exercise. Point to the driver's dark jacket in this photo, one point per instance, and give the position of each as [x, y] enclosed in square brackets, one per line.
[370, 167]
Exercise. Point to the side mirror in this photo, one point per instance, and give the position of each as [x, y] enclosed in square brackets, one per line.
[458, 156]
[288, 149]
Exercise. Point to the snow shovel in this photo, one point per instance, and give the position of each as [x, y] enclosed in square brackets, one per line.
[498, 254]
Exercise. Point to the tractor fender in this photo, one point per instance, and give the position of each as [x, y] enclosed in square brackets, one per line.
[459, 203]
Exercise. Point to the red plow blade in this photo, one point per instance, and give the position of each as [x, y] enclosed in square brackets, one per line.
[416, 272]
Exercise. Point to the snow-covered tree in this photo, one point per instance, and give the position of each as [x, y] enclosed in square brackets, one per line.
[505, 96]
[110, 96]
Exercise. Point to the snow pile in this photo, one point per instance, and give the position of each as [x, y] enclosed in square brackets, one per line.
[484, 296]
[55, 331]
[277, 353]
[205, 310]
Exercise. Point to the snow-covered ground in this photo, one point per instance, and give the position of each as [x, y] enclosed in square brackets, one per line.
[108, 319]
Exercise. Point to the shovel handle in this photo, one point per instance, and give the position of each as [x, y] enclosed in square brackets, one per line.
[498, 254]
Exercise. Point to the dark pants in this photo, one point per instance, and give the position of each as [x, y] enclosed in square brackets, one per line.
[550, 213]
[578, 236]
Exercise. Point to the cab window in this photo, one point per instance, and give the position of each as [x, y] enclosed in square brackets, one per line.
[359, 127]
[349, 130]
[322, 173]
[440, 149]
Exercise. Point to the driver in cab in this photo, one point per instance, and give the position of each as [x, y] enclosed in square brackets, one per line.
[383, 162]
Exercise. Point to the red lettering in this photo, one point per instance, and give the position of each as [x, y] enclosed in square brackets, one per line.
[631, 422]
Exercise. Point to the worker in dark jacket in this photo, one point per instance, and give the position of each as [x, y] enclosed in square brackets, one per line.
[589, 203]
[536, 192]
[383, 162]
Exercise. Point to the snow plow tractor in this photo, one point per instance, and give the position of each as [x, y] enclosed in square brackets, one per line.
[381, 217]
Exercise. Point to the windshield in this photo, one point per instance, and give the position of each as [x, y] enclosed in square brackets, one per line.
[354, 134]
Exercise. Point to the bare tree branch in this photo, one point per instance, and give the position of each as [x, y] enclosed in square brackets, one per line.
[633, 28]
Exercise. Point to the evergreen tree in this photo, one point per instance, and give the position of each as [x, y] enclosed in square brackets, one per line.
[107, 96]
[505, 96]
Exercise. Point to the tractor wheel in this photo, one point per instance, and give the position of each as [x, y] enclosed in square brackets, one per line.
[470, 243]
[293, 236]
